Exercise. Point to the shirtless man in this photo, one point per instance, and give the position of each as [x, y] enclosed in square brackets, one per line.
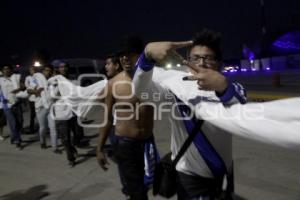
[134, 124]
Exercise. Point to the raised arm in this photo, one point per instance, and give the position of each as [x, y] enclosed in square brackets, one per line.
[144, 85]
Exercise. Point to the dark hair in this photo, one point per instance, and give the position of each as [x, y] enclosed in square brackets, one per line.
[115, 60]
[49, 66]
[56, 63]
[211, 39]
[7, 65]
[64, 63]
[131, 44]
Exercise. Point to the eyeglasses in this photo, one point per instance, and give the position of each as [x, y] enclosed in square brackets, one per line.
[208, 59]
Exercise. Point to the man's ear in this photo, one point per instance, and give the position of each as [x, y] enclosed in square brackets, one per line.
[118, 67]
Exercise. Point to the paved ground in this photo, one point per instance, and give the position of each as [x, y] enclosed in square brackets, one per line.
[262, 172]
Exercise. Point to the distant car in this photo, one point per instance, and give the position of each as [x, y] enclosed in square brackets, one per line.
[86, 70]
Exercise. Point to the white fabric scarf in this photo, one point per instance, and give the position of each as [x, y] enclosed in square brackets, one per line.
[275, 122]
[80, 99]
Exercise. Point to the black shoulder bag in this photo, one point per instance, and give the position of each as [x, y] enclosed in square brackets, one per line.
[164, 183]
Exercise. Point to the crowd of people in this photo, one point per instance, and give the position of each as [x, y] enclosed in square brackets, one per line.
[134, 89]
[207, 163]
[131, 135]
[36, 89]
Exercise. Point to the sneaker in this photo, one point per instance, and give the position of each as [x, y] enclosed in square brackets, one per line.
[57, 151]
[43, 146]
[1, 138]
[75, 152]
[72, 163]
[18, 146]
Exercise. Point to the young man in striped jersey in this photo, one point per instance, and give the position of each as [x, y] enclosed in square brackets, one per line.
[207, 163]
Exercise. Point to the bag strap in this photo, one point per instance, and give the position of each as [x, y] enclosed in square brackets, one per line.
[187, 142]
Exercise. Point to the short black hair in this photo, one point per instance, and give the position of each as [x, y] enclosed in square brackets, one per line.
[58, 62]
[131, 44]
[49, 66]
[65, 63]
[7, 65]
[115, 59]
[211, 39]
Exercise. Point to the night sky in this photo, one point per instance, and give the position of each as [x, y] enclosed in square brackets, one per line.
[73, 28]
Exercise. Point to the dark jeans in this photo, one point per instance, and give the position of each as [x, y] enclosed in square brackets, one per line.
[112, 136]
[77, 131]
[2, 118]
[112, 140]
[64, 128]
[129, 154]
[32, 116]
[193, 187]
[14, 116]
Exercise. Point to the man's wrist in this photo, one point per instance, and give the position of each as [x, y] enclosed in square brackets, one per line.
[144, 63]
[227, 94]
[146, 52]
[223, 86]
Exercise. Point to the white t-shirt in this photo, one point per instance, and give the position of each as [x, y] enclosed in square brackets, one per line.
[8, 84]
[30, 83]
[44, 100]
[162, 83]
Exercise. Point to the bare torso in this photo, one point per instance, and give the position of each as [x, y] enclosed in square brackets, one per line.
[133, 119]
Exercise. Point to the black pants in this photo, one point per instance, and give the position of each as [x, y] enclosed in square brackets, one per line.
[17, 111]
[2, 118]
[64, 129]
[129, 154]
[14, 116]
[77, 131]
[190, 187]
[32, 116]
